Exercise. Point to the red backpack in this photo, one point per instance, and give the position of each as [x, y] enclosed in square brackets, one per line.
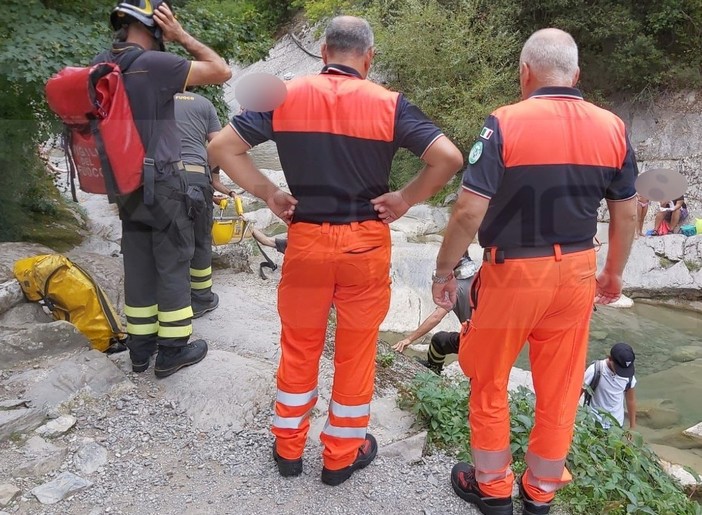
[101, 140]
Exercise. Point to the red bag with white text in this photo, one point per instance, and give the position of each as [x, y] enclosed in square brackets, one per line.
[101, 139]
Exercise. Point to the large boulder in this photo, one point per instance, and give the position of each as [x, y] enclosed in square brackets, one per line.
[411, 302]
[89, 372]
[657, 413]
[694, 432]
[40, 340]
[10, 295]
[225, 391]
[421, 220]
[19, 419]
[13, 251]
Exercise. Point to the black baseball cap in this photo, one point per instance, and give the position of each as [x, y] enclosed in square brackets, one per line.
[623, 359]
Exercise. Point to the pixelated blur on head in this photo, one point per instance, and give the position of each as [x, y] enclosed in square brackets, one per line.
[260, 92]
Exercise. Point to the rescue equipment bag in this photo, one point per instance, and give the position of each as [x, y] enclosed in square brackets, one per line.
[71, 294]
[102, 144]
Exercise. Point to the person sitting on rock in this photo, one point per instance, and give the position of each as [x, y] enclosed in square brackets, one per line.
[445, 342]
[673, 213]
[612, 382]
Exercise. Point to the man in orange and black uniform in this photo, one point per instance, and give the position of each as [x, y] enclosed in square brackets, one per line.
[336, 135]
[157, 228]
[535, 179]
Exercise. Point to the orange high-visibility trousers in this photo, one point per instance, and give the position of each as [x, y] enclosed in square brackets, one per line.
[548, 302]
[348, 266]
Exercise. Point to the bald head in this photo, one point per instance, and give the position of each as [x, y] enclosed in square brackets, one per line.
[348, 35]
[552, 57]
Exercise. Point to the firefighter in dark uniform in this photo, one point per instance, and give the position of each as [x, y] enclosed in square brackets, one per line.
[198, 124]
[157, 228]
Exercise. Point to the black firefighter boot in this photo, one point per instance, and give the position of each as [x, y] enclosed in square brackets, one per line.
[171, 359]
[141, 348]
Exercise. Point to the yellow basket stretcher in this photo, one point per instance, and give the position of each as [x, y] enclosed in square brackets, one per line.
[229, 229]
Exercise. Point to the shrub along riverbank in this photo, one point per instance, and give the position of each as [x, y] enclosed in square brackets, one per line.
[614, 472]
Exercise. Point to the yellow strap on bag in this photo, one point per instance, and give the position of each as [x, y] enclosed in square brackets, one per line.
[72, 295]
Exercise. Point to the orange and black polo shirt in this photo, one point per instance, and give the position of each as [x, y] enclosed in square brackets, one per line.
[545, 164]
[336, 135]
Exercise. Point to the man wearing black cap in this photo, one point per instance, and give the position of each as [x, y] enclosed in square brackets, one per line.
[612, 381]
[157, 225]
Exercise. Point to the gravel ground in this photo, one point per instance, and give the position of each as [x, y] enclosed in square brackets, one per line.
[158, 463]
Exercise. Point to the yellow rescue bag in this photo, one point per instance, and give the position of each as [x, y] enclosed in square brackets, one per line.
[71, 294]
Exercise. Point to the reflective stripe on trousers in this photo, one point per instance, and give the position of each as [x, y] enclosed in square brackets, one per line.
[201, 279]
[292, 410]
[142, 321]
[347, 265]
[347, 421]
[175, 324]
[547, 302]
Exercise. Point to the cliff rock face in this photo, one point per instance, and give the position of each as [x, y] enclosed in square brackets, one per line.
[668, 134]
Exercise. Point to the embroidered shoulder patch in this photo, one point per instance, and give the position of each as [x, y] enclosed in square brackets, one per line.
[475, 152]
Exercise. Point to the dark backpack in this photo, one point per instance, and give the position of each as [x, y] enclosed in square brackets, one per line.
[101, 140]
[596, 381]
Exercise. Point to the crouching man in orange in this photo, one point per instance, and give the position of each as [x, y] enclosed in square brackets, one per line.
[336, 134]
[535, 179]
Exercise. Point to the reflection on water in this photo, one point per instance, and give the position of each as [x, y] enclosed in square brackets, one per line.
[657, 335]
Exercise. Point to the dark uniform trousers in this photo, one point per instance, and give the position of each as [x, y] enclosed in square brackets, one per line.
[442, 344]
[157, 246]
[201, 264]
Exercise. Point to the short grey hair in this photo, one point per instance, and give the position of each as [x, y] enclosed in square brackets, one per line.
[551, 54]
[348, 34]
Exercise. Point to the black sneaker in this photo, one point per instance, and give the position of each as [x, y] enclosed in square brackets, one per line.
[466, 487]
[431, 365]
[200, 309]
[171, 359]
[366, 454]
[287, 468]
[530, 506]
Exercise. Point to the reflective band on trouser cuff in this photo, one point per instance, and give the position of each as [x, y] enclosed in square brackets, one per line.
[141, 321]
[546, 475]
[344, 432]
[175, 331]
[290, 422]
[343, 411]
[295, 399]
[176, 316]
[200, 285]
[142, 329]
[141, 312]
[194, 272]
[491, 465]
[435, 355]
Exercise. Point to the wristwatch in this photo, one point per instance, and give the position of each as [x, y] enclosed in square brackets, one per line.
[230, 194]
[441, 280]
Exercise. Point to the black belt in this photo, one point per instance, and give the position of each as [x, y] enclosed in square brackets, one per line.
[534, 252]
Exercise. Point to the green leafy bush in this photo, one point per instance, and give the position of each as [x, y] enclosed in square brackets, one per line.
[614, 471]
[38, 38]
